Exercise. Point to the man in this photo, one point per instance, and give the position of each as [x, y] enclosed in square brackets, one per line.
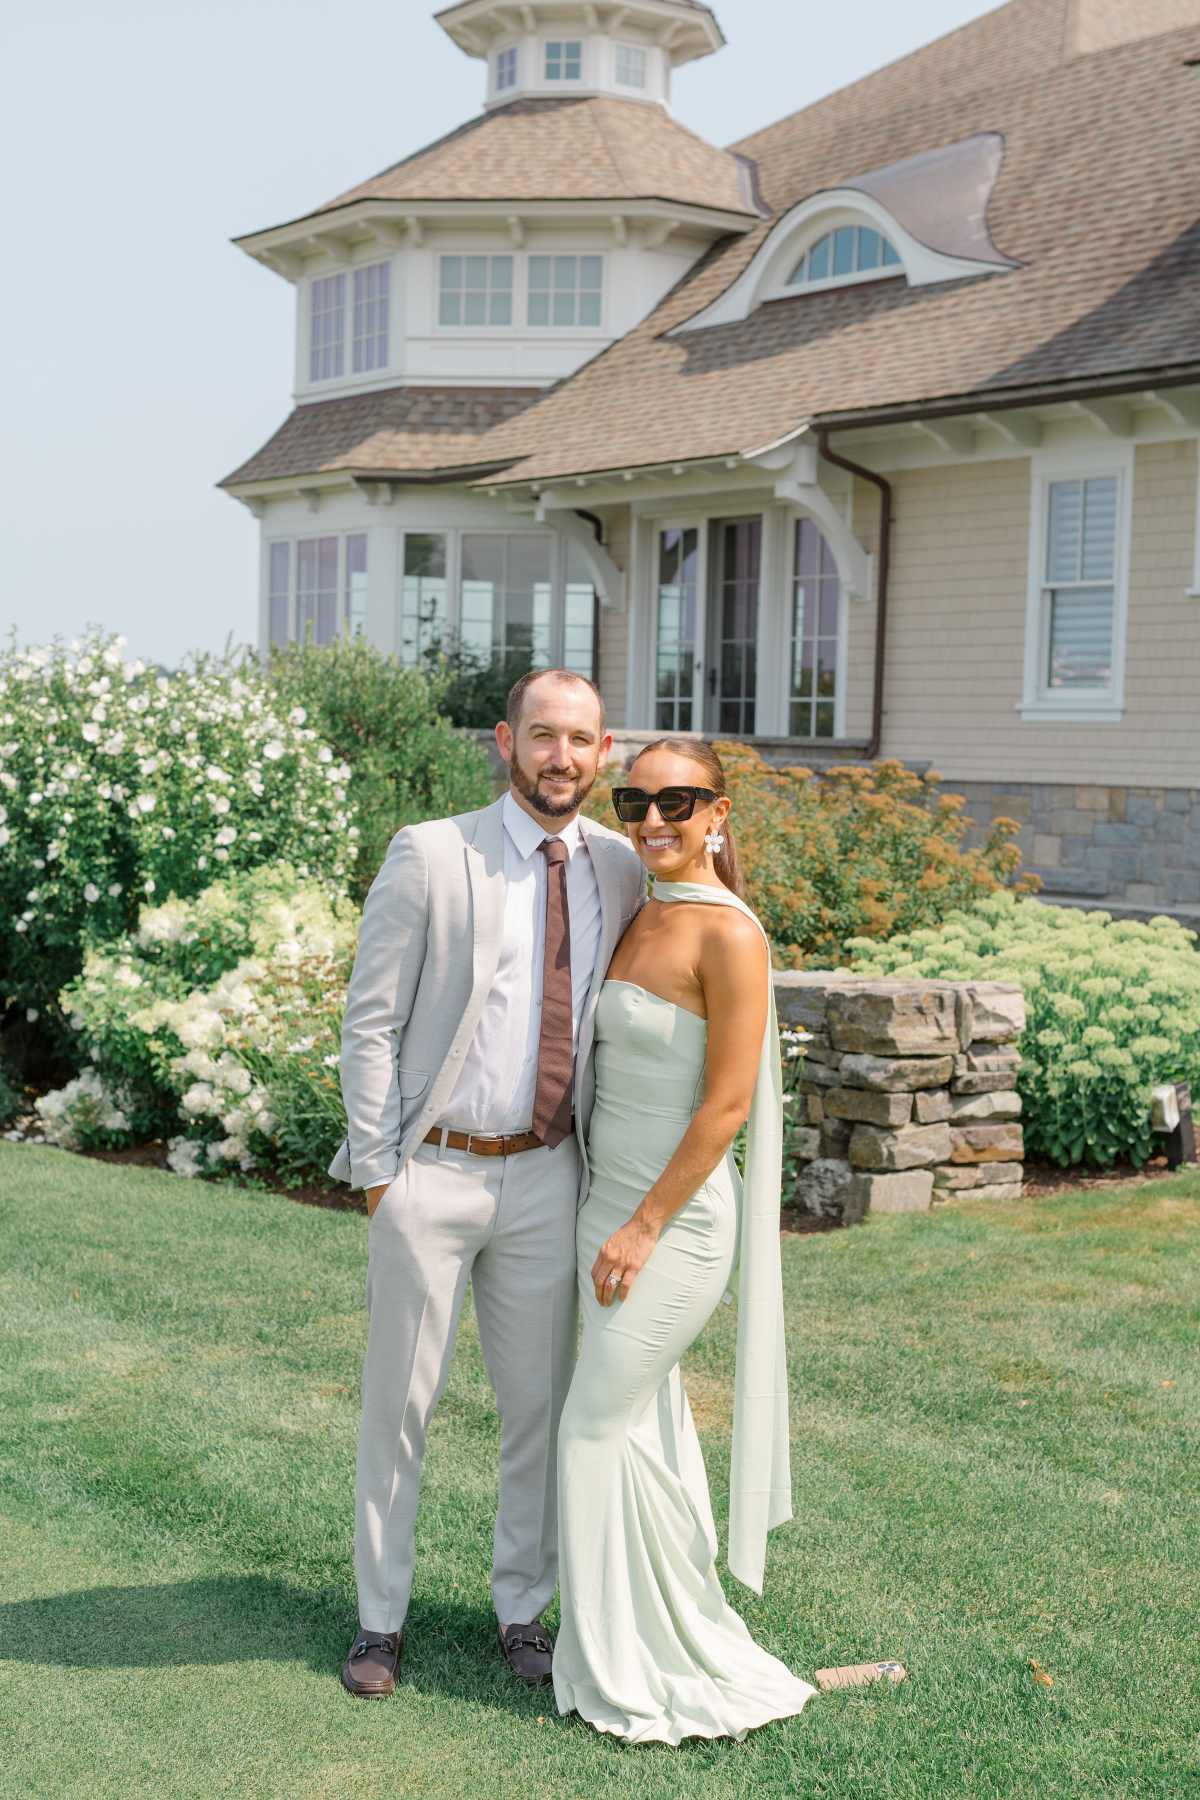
[482, 950]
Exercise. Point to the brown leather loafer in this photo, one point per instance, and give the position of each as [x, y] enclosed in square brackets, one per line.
[528, 1651]
[370, 1669]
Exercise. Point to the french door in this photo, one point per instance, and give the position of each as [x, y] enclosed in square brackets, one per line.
[731, 640]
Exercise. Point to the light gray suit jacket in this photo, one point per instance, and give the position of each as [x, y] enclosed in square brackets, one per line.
[428, 949]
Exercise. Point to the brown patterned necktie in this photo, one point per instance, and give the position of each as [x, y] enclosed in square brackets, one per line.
[556, 1052]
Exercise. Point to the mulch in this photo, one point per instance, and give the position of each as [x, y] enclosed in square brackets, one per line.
[1043, 1180]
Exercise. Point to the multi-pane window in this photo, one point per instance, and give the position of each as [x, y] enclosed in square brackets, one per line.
[506, 69]
[279, 593]
[304, 584]
[850, 250]
[424, 595]
[1079, 584]
[564, 59]
[733, 657]
[371, 289]
[816, 604]
[327, 334]
[565, 290]
[355, 584]
[579, 615]
[631, 66]
[506, 596]
[476, 290]
[675, 650]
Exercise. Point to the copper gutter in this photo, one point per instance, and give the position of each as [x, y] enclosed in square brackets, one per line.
[881, 589]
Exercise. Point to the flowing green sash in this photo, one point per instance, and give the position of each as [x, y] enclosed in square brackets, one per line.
[760, 1482]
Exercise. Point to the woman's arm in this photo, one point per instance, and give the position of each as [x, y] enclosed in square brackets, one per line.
[734, 969]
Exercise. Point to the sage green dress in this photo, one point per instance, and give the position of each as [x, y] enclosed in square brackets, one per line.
[649, 1649]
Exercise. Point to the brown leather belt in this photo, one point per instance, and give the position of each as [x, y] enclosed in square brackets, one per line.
[481, 1145]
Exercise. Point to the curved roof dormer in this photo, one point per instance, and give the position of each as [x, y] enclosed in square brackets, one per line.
[923, 220]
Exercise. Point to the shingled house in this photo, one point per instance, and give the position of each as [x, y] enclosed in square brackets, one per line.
[875, 434]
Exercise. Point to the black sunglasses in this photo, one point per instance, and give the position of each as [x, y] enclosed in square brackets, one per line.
[674, 803]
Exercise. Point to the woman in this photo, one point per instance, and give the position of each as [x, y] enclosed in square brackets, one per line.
[686, 1050]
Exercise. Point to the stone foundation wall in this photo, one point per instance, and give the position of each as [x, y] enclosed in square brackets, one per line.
[909, 1090]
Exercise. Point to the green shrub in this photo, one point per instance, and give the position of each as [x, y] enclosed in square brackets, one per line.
[119, 783]
[473, 686]
[1112, 1008]
[215, 1025]
[863, 851]
[390, 726]
[12, 1100]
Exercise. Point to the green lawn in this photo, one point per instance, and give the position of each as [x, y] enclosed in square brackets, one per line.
[996, 1457]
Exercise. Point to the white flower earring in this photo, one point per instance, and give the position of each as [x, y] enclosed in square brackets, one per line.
[714, 842]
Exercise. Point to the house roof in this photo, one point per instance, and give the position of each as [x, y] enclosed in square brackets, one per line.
[597, 148]
[1095, 202]
[391, 431]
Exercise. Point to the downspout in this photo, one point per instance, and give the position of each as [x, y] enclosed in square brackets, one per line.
[881, 594]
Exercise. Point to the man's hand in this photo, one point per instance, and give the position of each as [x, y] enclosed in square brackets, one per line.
[374, 1196]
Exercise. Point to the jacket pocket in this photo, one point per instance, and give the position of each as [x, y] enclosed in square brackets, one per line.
[412, 1084]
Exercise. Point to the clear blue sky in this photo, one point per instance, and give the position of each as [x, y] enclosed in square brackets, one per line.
[146, 356]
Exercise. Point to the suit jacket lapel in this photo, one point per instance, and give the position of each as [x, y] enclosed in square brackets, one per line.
[485, 871]
[608, 882]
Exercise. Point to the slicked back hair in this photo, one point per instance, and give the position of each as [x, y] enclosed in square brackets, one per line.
[517, 692]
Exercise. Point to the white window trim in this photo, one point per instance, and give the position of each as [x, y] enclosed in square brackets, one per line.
[520, 326]
[454, 535]
[884, 272]
[633, 87]
[503, 50]
[766, 276]
[1101, 707]
[306, 382]
[556, 81]
[293, 540]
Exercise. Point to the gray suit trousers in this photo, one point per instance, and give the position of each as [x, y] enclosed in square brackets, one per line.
[506, 1224]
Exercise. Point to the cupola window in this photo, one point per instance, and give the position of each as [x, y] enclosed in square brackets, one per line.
[850, 251]
[564, 59]
[476, 290]
[506, 69]
[565, 290]
[631, 66]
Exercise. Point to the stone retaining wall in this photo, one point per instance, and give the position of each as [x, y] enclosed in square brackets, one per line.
[909, 1090]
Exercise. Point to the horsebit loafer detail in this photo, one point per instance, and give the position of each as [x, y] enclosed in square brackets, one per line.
[370, 1669]
[528, 1651]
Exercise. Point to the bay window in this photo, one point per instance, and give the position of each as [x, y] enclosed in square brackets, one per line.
[515, 597]
[816, 606]
[317, 588]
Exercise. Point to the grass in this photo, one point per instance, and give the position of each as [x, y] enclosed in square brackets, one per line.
[995, 1414]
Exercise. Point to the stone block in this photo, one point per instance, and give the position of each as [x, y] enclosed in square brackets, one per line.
[985, 1109]
[954, 1176]
[827, 1189]
[911, 1191]
[1092, 799]
[869, 1106]
[932, 1106]
[1177, 800]
[983, 1082]
[1143, 809]
[984, 1058]
[894, 1018]
[1087, 882]
[1117, 837]
[998, 1011]
[911, 1147]
[1183, 886]
[1047, 850]
[835, 1138]
[817, 1076]
[1142, 893]
[896, 1072]
[806, 1143]
[1114, 865]
[1007, 1190]
[798, 998]
[814, 1108]
[980, 1143]
[819, 1049]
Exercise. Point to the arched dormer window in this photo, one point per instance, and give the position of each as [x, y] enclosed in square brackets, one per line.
[924, 218]
[851, 253]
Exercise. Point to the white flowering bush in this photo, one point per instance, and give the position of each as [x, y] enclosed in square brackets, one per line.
[121, 785]
[216, 1024]
[1112, 1009]
[84, 1115]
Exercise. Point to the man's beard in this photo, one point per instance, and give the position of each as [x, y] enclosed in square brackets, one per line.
[549, 809]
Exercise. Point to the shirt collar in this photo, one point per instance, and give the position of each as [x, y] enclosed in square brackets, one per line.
[527, 834]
